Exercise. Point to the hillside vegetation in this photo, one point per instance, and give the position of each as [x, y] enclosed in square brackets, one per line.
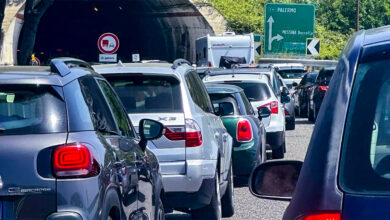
[335, 19]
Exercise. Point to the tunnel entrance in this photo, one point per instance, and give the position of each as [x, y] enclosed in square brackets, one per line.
[72, 28]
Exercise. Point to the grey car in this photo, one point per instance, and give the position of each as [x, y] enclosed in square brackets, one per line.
[195, 152]
[289, 107]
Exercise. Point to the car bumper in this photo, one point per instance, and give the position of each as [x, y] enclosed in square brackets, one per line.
[245, 158]
[64, 216]
[194, 200]
[275, 139]
[196, 172]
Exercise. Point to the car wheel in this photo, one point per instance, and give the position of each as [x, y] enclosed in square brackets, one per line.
[160, 213]
[227, 199]
[290, 125]
[111, 201]
[214, 209]
[279, 153]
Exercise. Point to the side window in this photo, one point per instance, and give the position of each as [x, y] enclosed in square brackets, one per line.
[98, 108]
[117, 109]
[276, 85]
[247, 104]
[303, 81]
[198, 92]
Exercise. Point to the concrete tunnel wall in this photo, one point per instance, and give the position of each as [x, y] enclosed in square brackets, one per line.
[180, 22]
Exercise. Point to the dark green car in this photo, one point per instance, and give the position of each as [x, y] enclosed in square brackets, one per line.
[248, 132]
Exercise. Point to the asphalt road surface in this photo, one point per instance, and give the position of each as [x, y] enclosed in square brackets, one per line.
[249, 207]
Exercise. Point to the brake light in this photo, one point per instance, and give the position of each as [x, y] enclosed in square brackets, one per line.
[191, 134]
[74, 160]
[274, 106]
[324, 88]
[244, 131]
[286, 112]
[322, 216]
[209, 64]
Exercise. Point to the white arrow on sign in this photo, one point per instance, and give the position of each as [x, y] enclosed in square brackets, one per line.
[312, 47]
[270, 38]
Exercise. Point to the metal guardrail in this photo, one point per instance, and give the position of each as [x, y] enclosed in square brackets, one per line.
[306, 62]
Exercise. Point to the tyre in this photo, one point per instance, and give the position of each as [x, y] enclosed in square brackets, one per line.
[213, 211]
[279, 153]
[160, 212]
[227, 199]
[111, 202]
[290, 124]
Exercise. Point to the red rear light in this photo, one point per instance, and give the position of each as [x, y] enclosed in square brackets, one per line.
[191, 134]
[244, 131]
[74, 160]
[209, 64]
[286, 112]
[274, 106]
[324, 88]
[322, 216]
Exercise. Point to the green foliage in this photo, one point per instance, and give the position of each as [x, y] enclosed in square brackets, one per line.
[335, 19]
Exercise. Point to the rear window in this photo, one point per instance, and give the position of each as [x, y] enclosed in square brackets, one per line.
[147, 94]
[325, 76]
[292, 74]
[31, 109]
[365, 162]
[254, 91]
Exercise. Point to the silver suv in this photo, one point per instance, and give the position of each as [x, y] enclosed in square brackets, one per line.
[195, 151]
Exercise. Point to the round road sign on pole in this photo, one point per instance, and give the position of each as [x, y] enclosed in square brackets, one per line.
[108, 43]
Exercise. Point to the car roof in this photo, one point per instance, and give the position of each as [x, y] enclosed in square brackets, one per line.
[163, 69]
[214, 88]
[237, 77]
[287, 66]
[329, 68]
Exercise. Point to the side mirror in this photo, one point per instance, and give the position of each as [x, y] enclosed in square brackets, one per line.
[284, 91]
[285, 99]
[264, 112]
[275, 180]
[225, 108]
[294, 84]
[149, 130]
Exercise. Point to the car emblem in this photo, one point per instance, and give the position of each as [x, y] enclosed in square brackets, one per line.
[1, 183]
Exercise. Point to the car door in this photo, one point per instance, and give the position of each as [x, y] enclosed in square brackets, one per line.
[132, 161]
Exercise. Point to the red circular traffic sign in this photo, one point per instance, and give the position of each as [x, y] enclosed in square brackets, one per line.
[108, 43]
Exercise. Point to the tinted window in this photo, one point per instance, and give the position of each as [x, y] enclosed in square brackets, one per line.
[116, 107]
[31, 109]
[148, 94]
[292, 74]
[78, 111]
[100, 112]
[325, 76]
[365, 163]
[246, 104]
[220, 98]
[198, 92]
[254, 91]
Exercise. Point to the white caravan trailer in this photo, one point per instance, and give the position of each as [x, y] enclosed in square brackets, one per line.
[234, 48]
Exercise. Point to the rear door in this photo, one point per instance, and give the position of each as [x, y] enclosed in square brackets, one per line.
[32, 121]
[158, 98]
[365, 161]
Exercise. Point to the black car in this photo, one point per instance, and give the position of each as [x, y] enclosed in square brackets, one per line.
[68, 149]
[318, 91]
[302, 92]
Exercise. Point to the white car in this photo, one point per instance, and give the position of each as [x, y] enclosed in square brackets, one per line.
[257, 87]
[291, 72]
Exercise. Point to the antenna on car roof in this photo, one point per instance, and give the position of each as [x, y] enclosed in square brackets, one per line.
[120, 64]
[63, 65]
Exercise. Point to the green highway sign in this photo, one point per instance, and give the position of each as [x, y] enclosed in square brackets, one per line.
[287, 28]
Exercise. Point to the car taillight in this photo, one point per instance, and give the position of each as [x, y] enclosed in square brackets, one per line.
[286, 112]
[323, 88]
[191, 134]
[274, 106]
[322, 216]
[74, 161]
[244, 131]
[209, 64]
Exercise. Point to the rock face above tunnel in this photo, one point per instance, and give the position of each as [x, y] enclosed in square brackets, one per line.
[178, 22]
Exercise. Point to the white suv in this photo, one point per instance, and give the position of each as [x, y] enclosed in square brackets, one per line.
[259, 90]
[195, 151]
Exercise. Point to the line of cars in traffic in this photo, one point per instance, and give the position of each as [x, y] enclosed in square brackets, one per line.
[133, 140]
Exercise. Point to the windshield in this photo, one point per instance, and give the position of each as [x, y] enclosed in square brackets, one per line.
[254, 91]
[148, 94]
[31, 110]
[292, 74]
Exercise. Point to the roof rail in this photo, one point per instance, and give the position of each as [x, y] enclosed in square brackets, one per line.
[180, 62]
[62, 65]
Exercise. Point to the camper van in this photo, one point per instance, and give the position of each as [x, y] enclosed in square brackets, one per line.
[225, 50]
